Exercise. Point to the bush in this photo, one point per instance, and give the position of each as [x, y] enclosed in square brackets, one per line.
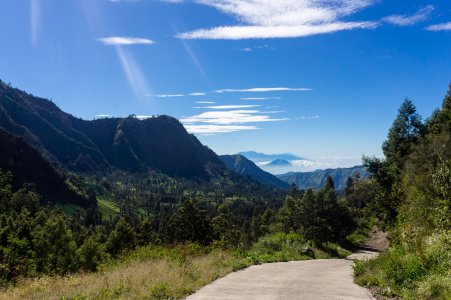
[438, 252]
[435, 287]
[358, 268]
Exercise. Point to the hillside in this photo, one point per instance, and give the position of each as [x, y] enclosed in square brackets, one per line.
[316, 179]
[241, 165]
[127, 144]
[28, 167]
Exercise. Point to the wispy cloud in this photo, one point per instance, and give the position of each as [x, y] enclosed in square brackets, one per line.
[103, 116]
[229, 117]
[35, 20]
[120, 40]
[308, 117]
[166, 95]
[252, 49]
[172, 1]
[262, 19]
[440, 27]
[260, 98]
[408, 20]
[133, 72]
[259, 90]
[198, 94]
[205, 102]
[227, 106]
[213, 129]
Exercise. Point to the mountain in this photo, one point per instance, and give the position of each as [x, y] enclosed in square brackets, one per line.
[262, 157]
[279, 163]
[127, 144]
[316, 179]
[241, 165]
[29, 167]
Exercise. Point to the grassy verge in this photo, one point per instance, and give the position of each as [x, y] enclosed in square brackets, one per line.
[421, 273]
[107, 208]
[161, 272]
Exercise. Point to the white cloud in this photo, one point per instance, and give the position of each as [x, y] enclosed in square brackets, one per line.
[308, 117]
[119, 40]
[267, 32]
[281, 18]
[227, 106]
[143, 117]
[205, 102]
[103, 116]
[198, 94]
[440, 27]
[229, 117]
[404, 20]
[166, 95]
[257, 90]
[260, 98]
[273, 112]
[212, 129]
[251, 49]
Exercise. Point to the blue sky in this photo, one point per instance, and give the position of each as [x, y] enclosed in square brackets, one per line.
[322, 79]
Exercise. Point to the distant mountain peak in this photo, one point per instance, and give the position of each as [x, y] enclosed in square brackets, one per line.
[263, 157]
[279, 162]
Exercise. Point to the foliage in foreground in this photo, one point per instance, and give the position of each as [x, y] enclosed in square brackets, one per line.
[403, 272]
[162, 272]
[415, 180]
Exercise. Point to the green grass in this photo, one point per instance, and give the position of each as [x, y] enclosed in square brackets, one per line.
[422, 273]
[165, 272]
[107, 208]
[69, 209]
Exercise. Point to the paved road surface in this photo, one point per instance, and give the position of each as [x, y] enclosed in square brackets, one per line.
[311, 279]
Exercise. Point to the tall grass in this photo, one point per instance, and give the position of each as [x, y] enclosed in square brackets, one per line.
[162, 272]
[423, 273]
[148, 273]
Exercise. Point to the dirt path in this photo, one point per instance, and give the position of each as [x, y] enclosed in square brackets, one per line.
[311, 279]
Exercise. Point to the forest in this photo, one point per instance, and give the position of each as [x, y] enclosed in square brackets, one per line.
[145, 217]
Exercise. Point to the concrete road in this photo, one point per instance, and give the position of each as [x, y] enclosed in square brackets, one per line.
[311, 279]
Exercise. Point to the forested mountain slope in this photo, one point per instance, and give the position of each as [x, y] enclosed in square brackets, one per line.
[28, 167]
[241, 165]
[128, 144]
[316, 179]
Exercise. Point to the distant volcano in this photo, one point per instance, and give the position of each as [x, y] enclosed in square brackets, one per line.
[279, 163]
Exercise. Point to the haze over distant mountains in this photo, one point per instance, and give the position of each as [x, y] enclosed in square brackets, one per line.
[287, 162]
[317, 179]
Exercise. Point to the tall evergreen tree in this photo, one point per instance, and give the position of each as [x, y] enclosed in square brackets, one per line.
[405, 131]
[447, 101]
[190, 223]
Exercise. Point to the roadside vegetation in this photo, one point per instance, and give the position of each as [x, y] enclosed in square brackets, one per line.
[49, 254]
[165, 272]
[414, 187]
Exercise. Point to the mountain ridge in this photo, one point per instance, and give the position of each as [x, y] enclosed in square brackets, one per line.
[241, 165]
[316, 179]
[128, 144]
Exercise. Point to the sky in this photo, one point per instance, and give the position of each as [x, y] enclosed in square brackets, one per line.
[322, 79]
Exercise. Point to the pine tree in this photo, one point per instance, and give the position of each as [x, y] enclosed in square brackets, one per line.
[447, 101]
[190, 223]
[405, 131]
